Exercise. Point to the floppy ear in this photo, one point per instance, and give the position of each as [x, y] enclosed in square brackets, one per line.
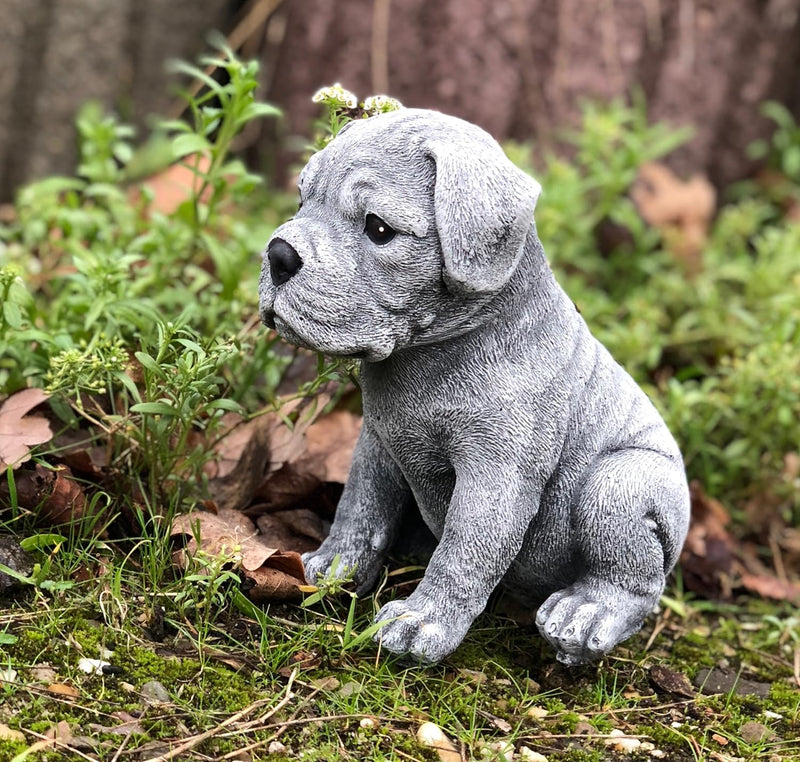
[484, 211]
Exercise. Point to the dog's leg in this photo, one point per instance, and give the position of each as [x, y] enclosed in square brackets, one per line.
[369, 512]
[483, 532]
[630, 521]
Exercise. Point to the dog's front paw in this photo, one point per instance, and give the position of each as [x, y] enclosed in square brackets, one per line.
[423, 636]
[584, 622]
[340, 562]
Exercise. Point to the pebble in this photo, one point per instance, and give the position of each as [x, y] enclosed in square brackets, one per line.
[622, 743]
[431, 735]
[326, 683]
[527, 754]
[473, 676]
[753, 732]
[9, 734]
[154, 693]
[276, 747]
[537, 712]
[498, 751]
[350, 689]
[531, 686]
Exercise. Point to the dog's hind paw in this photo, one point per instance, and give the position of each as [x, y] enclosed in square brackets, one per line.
[341, 563]
[585, 621]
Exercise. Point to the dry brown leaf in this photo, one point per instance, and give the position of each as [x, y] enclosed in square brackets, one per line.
[66, 502]
[241, 456]
[708, 555]
[331, 441]
[682, 210]
[276, 574]
[51, 492]
[62, 689]
[262, 445]
[299, 529]
[321, 454]
[770, 586]
[18, 431]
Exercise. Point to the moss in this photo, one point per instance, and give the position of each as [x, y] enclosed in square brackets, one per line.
[9, 749]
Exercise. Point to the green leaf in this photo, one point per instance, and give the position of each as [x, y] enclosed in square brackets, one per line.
[39, 541]
[226, 404]
[149, 363]
[16, 575]
[12, 314]
[154, 408]
[190, 143]
[7, 639]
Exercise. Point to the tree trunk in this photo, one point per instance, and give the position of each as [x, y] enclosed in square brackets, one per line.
[520, 68]
[56, 54]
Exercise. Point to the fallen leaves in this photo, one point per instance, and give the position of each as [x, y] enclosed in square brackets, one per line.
[275, 574]
[52, 492]
[20, 431]
[671, 681]
[714, 563]
[681, 210]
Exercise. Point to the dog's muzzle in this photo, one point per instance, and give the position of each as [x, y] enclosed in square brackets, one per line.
[284, 261]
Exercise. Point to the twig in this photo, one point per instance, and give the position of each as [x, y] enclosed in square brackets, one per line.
[199, 738]
[124, 743]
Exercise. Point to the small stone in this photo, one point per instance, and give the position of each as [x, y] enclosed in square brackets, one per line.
[583, 728]
[658, 754]
[154, 693]
[529, 755]
[16, 559]
[350, 689]
[431, 735]
[43, 673]
[276, 747]
[8, 675]
[531, 686]
[473, 676]
[753, 732]
[326, 683]
[498, 751]
[9, 734]
[717, 680]
[772, 715]
[537, 712]
[621, 742]
[671, 681]
[367, 723]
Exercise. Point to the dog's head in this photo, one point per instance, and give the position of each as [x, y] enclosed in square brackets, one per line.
[410, 222]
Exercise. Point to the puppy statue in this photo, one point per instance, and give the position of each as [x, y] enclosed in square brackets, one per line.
[534, 458]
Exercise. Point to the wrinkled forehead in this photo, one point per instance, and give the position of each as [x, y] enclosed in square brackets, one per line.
[367, 173]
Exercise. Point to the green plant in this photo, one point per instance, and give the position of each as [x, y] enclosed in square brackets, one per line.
[782, 150]
[138, 320]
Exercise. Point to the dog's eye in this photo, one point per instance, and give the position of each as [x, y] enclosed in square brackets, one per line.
[377, 230]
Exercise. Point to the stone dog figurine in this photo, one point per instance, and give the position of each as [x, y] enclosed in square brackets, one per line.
[534, 458]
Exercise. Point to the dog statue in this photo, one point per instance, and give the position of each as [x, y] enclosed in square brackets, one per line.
[534, 458]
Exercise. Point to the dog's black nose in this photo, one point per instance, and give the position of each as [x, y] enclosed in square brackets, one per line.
[284, 261]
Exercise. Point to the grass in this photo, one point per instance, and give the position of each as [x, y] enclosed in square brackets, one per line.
[139, 321]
